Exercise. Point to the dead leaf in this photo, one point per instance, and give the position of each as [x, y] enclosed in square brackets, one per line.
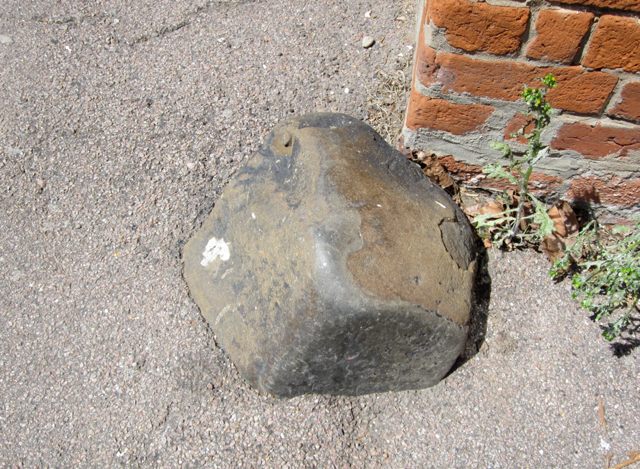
[553, 247]
[565, 225]
[471, 210]
[558, 222]
[564, 219]
[433, 169]
[492, 207]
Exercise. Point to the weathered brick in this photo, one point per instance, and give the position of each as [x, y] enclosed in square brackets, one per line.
[629, 5]
[539, 182]
[425, 57]
[559, 34]
[425, 67]
[629, 105]
[476, 26]
[610, 191]
[597, 141]
[544, 182]
[578, 90]
[615, 44]
[460, 169]
[440, 114]
[517, 123]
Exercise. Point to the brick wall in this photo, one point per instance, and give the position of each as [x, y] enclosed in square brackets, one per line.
[472, 60]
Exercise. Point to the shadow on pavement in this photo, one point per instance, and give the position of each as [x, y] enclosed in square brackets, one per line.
[629, 340]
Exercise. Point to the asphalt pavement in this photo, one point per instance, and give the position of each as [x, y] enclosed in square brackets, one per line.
[120, 123]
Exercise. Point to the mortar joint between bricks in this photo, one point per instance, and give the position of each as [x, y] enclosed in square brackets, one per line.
[597, 11]
[435, 91]
[584, 44]
[484, 56]
[530, 32]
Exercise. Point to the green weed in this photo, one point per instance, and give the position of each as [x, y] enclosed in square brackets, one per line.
[524, 219]
[605, 277]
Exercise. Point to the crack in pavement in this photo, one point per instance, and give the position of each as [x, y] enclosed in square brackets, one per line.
[187, 20]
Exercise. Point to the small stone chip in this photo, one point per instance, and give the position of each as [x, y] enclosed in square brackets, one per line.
[368, 42]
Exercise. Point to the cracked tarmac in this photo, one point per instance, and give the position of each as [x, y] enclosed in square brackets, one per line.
[112, 150]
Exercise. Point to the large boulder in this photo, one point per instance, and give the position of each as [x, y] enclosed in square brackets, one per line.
[330, 264]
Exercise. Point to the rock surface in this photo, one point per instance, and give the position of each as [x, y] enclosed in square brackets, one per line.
[330, 264]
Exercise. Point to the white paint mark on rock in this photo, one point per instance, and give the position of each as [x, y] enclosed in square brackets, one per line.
[253, 215]
[5, 39]
[441, 205]
[215, 248]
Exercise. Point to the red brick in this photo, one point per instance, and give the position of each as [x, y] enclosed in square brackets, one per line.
[517, 123]
[629, 105]
[578, 91]
[476, 26]
[539, 182]
[615, 44]
[458, 168]
[425, 55]
[440, 114]
[559, 34]
[597, 141]
[542, 181]
[629, 5]
[426, 68]
[610, 191]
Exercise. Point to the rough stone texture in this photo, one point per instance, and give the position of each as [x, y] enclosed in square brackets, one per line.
[612, 191]
[615, 44]
[479, 26]
[331, 265]
[577, 91]
[444, 115]
[629, 105]
[597, 141]
[425, 68]
[630, 5]
[559, 34]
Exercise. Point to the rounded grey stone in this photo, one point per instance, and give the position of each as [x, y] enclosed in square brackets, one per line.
[330, 264]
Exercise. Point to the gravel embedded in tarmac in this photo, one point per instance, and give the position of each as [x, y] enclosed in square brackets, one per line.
[120, 122]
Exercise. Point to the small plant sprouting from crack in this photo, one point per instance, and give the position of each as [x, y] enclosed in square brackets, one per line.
[605, 277]
[527, 221]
